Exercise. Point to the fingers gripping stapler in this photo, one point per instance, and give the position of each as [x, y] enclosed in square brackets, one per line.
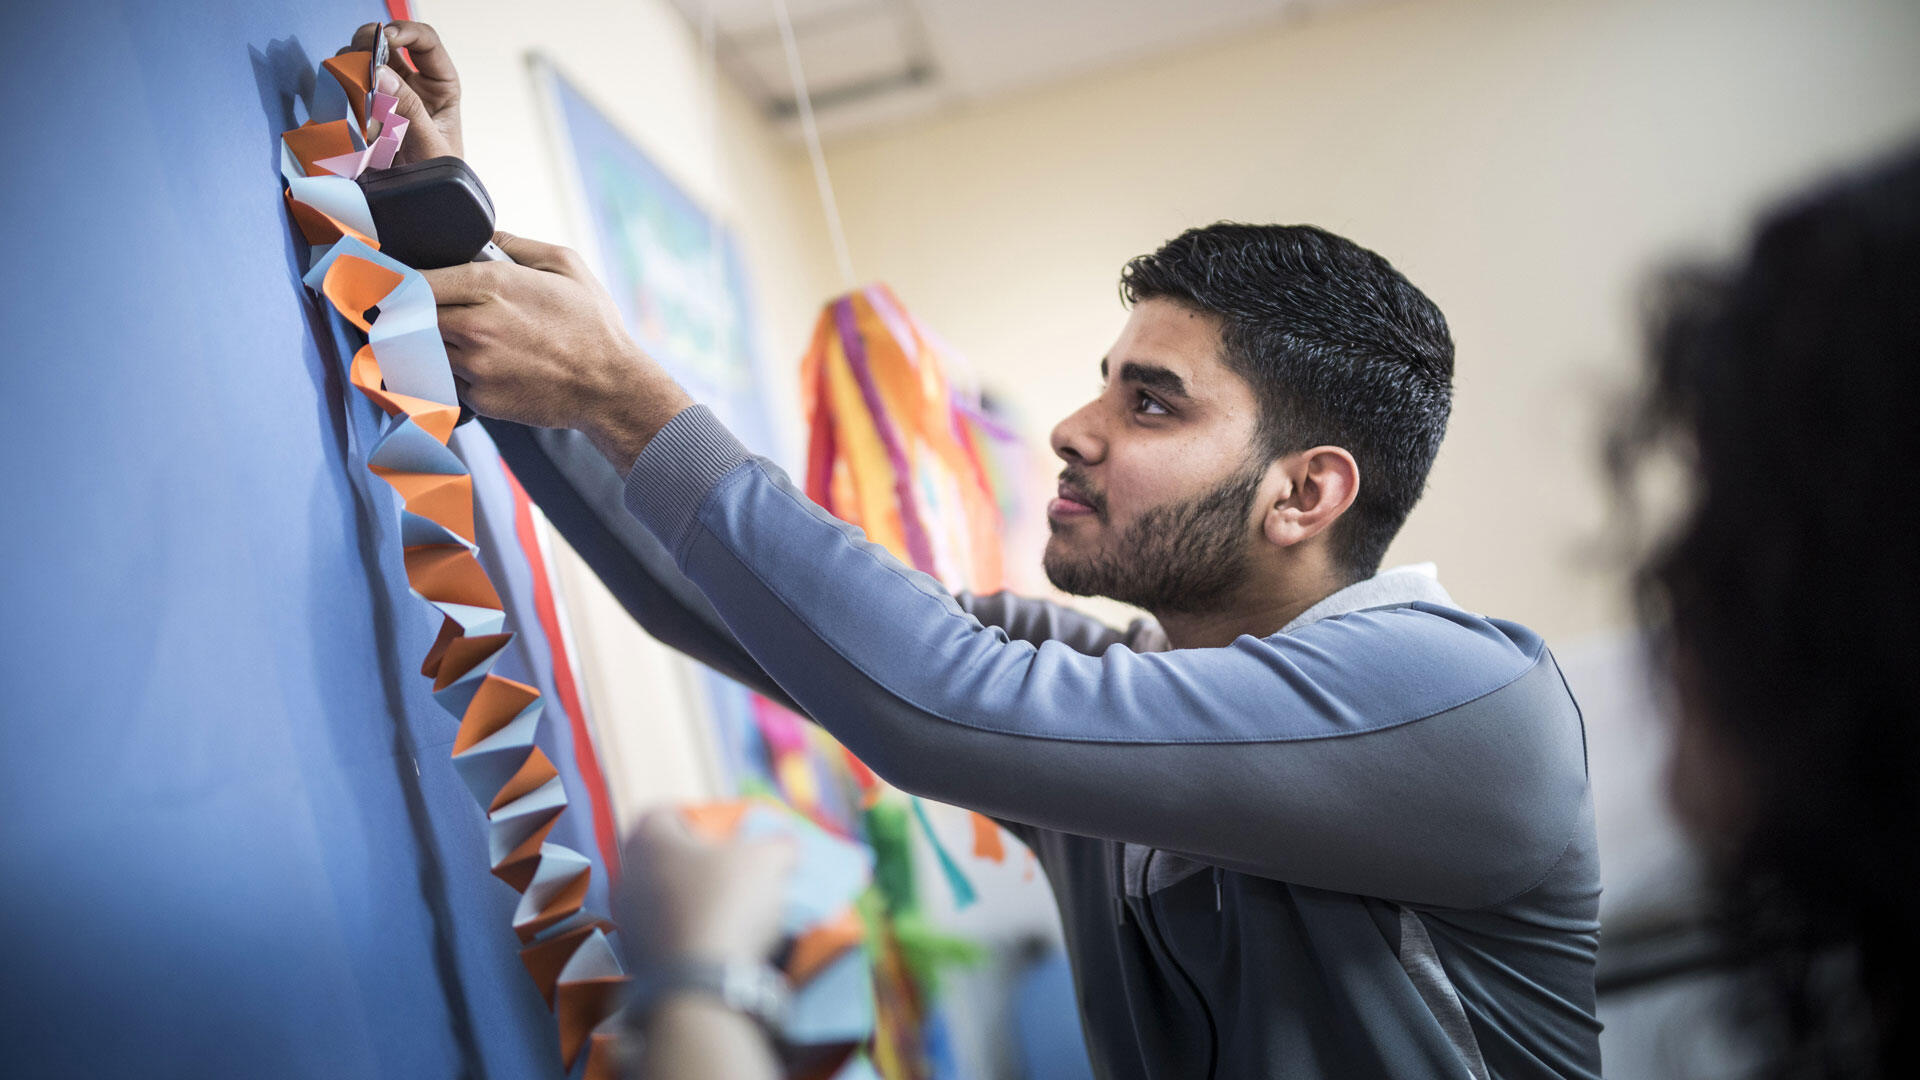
[429, 214]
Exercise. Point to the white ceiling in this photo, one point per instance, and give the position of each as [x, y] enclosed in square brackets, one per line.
[872, 62]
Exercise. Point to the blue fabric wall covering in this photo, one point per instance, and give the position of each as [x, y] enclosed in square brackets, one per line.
[233, 844]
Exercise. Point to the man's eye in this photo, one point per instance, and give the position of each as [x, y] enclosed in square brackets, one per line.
[1146, 403]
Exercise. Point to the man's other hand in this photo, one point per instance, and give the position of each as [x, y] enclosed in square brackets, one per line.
[685, 898]
[541, 343]
[428, 92]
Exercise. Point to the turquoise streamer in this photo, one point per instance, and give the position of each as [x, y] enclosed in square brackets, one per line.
[963, 893]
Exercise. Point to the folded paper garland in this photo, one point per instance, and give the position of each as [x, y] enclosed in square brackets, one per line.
[403, 369]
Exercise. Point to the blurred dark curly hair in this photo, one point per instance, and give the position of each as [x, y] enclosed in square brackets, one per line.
[1786, 601]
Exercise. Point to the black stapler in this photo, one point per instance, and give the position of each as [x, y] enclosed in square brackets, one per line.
[431, 213]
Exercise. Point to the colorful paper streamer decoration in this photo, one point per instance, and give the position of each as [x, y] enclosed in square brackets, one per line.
[403, 369]
[894, 449]
[891, 447]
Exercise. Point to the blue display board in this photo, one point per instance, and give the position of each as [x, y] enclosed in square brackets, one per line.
[234, 845]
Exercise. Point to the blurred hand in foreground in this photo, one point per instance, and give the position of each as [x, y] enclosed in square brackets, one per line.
[686, 898]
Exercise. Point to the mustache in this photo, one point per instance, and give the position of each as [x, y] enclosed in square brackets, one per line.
[1075, 481]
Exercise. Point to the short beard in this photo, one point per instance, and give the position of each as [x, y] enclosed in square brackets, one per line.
[1180, 559]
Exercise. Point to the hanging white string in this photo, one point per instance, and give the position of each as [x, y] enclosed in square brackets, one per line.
[710, 75]
[805, 104]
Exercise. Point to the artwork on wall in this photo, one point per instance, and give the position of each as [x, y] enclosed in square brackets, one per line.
[674, 270]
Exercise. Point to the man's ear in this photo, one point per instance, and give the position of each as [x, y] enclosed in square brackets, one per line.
[1315, 487]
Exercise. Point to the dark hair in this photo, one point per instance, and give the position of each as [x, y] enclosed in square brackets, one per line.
[1786, 603]
[1339, 347]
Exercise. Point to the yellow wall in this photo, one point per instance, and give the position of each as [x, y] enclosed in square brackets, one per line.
[1524, 162]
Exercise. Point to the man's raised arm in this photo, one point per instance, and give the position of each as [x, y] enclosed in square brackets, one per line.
[581, 494]
[1446, 767]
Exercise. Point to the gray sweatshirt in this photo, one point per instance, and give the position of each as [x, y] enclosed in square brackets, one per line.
[1361, 847]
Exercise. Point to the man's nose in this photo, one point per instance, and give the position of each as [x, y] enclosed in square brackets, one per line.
[1077, 440]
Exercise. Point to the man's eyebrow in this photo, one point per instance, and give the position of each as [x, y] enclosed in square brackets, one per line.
[1152, 376]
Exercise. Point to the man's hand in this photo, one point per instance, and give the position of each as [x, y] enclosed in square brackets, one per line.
[542, 344]
[429, 94]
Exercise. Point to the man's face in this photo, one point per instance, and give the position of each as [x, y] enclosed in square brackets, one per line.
[1156, 502]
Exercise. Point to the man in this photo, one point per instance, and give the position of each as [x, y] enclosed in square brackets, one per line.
[1316, 822]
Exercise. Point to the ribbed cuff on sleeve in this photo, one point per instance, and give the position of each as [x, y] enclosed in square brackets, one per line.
[673, 475]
